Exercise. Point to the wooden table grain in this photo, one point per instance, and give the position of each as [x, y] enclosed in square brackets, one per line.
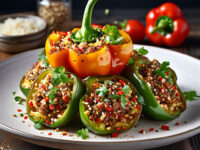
[191, 47]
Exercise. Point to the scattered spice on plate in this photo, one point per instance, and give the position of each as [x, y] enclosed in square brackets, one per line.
[142, 131]
[151, 129]
[165, 127]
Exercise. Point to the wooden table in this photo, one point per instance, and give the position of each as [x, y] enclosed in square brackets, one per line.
[191, 47]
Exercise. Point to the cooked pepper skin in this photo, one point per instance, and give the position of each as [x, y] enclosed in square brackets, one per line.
[180, 29]
[72, 108]
[59, 58]
[151, 107]
[94, 127]
[25, 91]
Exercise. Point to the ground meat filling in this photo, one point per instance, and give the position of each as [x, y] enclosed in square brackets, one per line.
[32, 74]
[166, 94]
[108, 112]
[48, 110]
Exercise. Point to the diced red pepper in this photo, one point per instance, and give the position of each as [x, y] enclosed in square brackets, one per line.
[98, 120]
[47, 122]
[122, 82]
[57, 107]
[30, 103]
[151, 129]
[138, 107]
[120, 93]
[114, 135]
[25, 117]
[65, 98]
[19, 110]
[49, 133]
[36, 63]
[51, 107]
[165, 127]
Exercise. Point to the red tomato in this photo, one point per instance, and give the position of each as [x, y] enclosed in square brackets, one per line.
[136, 30]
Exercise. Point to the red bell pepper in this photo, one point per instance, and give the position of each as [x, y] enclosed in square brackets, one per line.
[165, 25]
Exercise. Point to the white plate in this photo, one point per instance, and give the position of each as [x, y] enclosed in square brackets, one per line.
[186, 67]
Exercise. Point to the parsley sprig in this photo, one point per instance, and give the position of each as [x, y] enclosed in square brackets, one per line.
[113, 35]
[18, 99]
[102, 91]
[191, 95]
[43, 58]
[83, 133]
[162, 71]
[59, 75]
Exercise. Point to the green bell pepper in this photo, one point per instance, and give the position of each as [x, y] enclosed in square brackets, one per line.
[151, 107]
[99, 127]
[72, 106]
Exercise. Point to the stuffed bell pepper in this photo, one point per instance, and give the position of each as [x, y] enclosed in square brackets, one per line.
[157, 84]
[90, 50]
[110, 105]
[32, 74]
[54, 97]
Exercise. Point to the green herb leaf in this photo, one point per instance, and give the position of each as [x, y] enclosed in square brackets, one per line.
[164, 68]
[42, 56]
[21, 115]
[113, 96]
[141, 100]
[113, 35]
[18, 99]
[14, 93]
[106, 100]
[121, 24]
[106, 82]
[102, 91]
[83, 133]
[142, 51]
[130, 61]
[38, 125]
[191, 95]
[123, 101]
[126, 89]
[52, 95]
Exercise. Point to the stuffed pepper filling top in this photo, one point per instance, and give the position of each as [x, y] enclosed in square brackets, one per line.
[112, 104]
[162, 86]
[32, 74]
[48, 102]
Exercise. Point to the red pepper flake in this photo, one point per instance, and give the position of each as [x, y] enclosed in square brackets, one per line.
[30, 103]
[167, 73]
[108, 109]
[114, 135]
[98, 120]
[64, 133]
[19, 110]
[46, 99]
[138, 107]
[51, 107]
[165, 127]
[118, 129]
[71, 135]
[36, 63]
[142, 131]
[177, 123]
[122, 82]
[174, 88]
[49, 133]
[177, 94]
[47, 122]
[25, 117]
[86, 100]
[134, 99]
[123, 127]
[120, 93]
[151, 129]
[65, 99]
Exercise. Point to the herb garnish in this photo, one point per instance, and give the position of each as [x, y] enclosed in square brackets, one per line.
[113, 35]
[18, 99]
[103, 90]
[59, 75]
[43, 58]
[21, 115]
[83, 133]
[121, 24]
[14, 93]
[191, 95]
[52, 95]
[162, 71]
[126, 89]
[141, 99]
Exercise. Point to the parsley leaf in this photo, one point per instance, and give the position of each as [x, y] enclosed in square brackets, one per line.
[14, 93]
[106, 100]
[123, 101]
[18, 99]
[52, 95]
[142, 51]
[191, 95]
[42, 56]
[113, 35]
[38, 125]
[103, 90]
[163, 70]
[130, 61]
[21, 115]
[126, 89]
[114, 96]
[59, 75]
[83, 133]
[141, 99]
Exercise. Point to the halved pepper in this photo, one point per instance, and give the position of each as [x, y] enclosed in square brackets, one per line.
[109, 59]
[151, 106]
[109, 113]
[32, 74]
[67, 115]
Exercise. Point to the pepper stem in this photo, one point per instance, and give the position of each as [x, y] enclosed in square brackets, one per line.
[164, 25]
[87, 33]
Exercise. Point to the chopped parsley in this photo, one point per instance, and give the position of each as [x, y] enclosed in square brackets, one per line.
[103, 90]
[191, 95]
[141, 99]
[113, 35]
[162, 71]
[43, 58]
[14, 93]
[83, 133]
[126, 89]
[21, 115]
[38, 125]
[18, 99]
[52, 95]
[142, 51]
[59, 75]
